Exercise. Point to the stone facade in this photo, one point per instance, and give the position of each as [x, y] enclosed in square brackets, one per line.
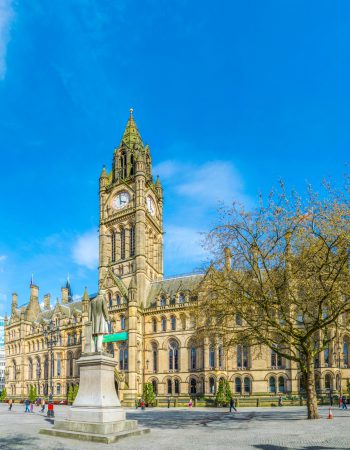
[155, 312]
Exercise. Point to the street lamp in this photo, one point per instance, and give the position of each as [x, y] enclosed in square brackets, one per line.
[52, 338]
[339, 348]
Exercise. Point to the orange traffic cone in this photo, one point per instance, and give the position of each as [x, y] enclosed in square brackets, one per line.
[330, 414]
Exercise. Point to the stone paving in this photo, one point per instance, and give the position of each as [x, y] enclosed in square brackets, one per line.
[198, 428]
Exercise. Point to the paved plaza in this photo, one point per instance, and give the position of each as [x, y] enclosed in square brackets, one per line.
[199, 428]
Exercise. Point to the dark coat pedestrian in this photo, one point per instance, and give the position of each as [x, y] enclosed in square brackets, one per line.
[232, 405]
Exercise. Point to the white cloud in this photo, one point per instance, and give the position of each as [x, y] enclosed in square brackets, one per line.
[183, 243]
[6, 17]
[85, 250]
[2, 258]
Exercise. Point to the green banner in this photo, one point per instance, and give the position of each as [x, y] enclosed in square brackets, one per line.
[123, 336]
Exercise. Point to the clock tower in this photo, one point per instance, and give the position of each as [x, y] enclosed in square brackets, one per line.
[131, 209]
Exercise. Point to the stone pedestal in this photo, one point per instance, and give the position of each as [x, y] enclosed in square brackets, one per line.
[96, 414]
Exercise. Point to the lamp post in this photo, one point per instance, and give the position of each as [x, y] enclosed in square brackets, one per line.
[52, 337]
[339, 366]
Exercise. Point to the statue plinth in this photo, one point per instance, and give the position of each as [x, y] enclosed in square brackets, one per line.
[96, 414]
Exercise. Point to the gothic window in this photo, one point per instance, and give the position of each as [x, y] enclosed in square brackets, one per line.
[154, 357]
[162, 301]
[247, 385]
[58, 389]
[122, 243]
[30, 369]
[220, 356]
[118, 299]
[326, 356]
[132, 241]
[193, 358]
[211, 356]
[38, 369]
[173, 356]
[122, 322]
[328, 382]
[123, 165]
[193, 386]
[177, 387]
[154, 325]
[345, 352]
[68, 339]
[74, 338]
[70, 364]
[182, 297]
[123, 357]
[110, 349]
[272, 385]
[211, 385]
[132, 166]
[281, 384]
[170, 387]
[242, 357]
[155, 387]
[113, 246]
[163, 323]
[110, 303]
[173, 323]
[58, 365]
[238, 320]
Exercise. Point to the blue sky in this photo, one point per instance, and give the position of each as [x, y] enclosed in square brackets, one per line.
[230, 95]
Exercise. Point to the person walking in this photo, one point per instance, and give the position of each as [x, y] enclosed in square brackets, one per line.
[280, 400]
[343, 399]
[168, 402]
[42, 405]
[27, 403]
[232, 405]
[10, 404]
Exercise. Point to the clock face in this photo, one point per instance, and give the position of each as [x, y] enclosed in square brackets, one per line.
[121, 200]
[150, 205]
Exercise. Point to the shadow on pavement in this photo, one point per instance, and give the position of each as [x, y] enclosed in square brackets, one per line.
[21, 441]
[311, 447]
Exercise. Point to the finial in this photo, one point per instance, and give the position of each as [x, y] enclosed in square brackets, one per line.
[131, 111]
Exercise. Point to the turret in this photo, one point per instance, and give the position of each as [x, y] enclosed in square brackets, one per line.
[14, 302]
[64, 295]
[47, 298]
[103, 178]
[85, 302]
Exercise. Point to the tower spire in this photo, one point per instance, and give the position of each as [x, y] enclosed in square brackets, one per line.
[131, 134]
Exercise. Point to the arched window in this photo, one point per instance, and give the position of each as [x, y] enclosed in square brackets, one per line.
[132, 241]
[58, 365]
[162, 301]
[242, 357]
[30, 369]
[238, 319]
[211, 385]
[154, 325]
[281, 384]
[193, 358]
[345, 352]
[170, 387]
[113, 246]
[38, 369]
[74, 338]
[220, 356]
[247, 385]
[123, 357]
[182, 298]
[177, 387]
[68, 339]
[132, 166]
[122, 322]
[58, 389]
[155, 387]
[326, 356]
[173, 356]
[173, 323]
[272, 385]
[123, 165]
[154, 357]
[163, 323]
[328, 382]
[110, 303]
[193, 386]
[238, 385]
[122, 243]
[70, 364]
[211, 356]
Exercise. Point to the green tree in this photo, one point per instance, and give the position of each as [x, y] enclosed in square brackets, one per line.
[348, 386]
[70, 395]
[148, 394]
[75, 391]
[3, 395]
[220, 395]
[228, 393]
[33, 394]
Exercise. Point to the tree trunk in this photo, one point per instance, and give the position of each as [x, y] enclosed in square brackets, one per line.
[311, 397]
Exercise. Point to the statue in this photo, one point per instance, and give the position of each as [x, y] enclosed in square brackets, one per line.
[98, 316]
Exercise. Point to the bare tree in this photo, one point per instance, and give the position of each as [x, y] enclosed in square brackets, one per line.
[285, 275]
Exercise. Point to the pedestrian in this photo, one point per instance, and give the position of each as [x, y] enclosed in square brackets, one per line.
[340, 401]
[168, 402]
[343, 399]
[280, 400]
[232, 405]
[10, 404]
[142, 404]
[27, 403]
[331, 399]
[42, 405]
[190, 403]
[31, 407]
